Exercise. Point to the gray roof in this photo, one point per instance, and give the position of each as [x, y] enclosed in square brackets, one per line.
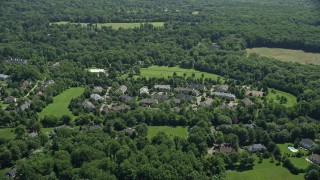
[247, 102]
[96, 97]
[130, 131]
[255, 147]
[3, 76]
[123, 88]
[97, 90]
[227, 95]
[207, 102]
[125, 97]
[162, 87]
[25, 105]
[222, 88]
[91, 128]
[12, 172]
[88, 105]
[144, 90]
[148, 101]
[33, 134]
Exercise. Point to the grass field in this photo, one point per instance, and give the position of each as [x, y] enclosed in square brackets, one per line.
[7, 133]
[113, 25]
[4, 171]
[298, 162]
[264, 171]
[46, 130]
[288, 55]
[61, 102]
[164, 71]
[3, 105]
[292, 100]
[169, 130]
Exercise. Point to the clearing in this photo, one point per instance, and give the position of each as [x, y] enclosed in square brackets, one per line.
[180, 131]
[60, 104]
[300, 162]
[273, 94]
[165, 71]
[113, 25]
[288, 55]
[7, 133]
[264, 171]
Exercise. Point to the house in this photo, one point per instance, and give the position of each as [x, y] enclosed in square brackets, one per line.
[187, 91]
[162, 87]
[255, 148]
[247, 102]
[92, 128]
[4, 77]
[16, 61]
[121, 108]
[48, 83]
[254, 93]
[225, 95]
[56, 129]
[25, 85]
[226, 149]
[9, 100]
[177, 102]
[148, 102]
[97, 90]
[250, 126]
[130, 132]
[125, 98]
[184, 97]
[308, 144]
[88, 105]
[25, 105]
[315, 158]
[122, 89]
[97, 71]
[207, 102]
[222, 88]
[12, 173]
[96, 97]
[160, 97]
[33, 134]
[198, 87]
[144, 91]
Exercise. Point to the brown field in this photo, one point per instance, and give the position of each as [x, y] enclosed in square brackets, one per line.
[288, 55]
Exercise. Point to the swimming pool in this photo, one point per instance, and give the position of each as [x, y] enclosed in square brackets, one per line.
[292, 149]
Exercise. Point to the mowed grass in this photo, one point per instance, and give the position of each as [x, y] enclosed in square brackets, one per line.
[60, 104]
[288, 55]
[169, 130]
[113, 25]
[264, 171]
[298, 162]
[4, 171]
[165, 71]
[291, 99]
[7, 133]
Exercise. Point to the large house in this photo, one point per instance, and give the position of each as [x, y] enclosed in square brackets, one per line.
[4, 77]
[144, 91]
[25, 105]
[225, 95]
[121, 108]
[92, 128]
[255, 93]
[88, 105]
[255, 148]
[222, 88]
[12, 173]
[130, 132]
[97, 90]
[162, 87]
[199, 87]
[247, 102]
[96, 97]
[148, 102]
[308, 144]
[187, 91]
[122, 89]
[16, 61]
[9, 100]
[160, 97]
[315, 158]
[125, 98]
[207, 102]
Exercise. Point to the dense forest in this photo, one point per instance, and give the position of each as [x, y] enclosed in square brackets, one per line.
[209, 36]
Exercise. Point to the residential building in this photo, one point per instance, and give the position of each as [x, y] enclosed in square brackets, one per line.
[160, 97]
[187, 91]
[16, 61]
[25, 105]
[308, 144]
[96, 97]
[12, 173]
[198, 87]
[255, 148]
[315, 158]
[122, 89]
[9, 100]
[121, 108]
[33, 134]
[125, 98]
[162, 87]
[144, 91]
[4, 77]
[247, 102]
[225, 95]
[254, 93]
[184, 97]
[207, 102]
[97, 90]
[88, 105]
[130, 132]
[25, 85]
[148, 102]
[221, 88]
[92, 128]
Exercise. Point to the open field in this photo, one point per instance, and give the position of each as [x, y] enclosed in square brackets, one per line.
[164, 71]
[292, 100]
[169, 130]
[288, 55]
[4, 171]
[298, 162]
[7, 133]
[264, 171]
[60, 104]
[113, 25]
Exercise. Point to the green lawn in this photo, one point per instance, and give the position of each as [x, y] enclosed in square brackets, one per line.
[298, 162]
[7, 133]
[4, 171]
[264, 171]
[292, 100]
[3, 105]
[113, 25]
[46, 130]
[61, 102]
[164, 71]
[169, 130]
[288, 55]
